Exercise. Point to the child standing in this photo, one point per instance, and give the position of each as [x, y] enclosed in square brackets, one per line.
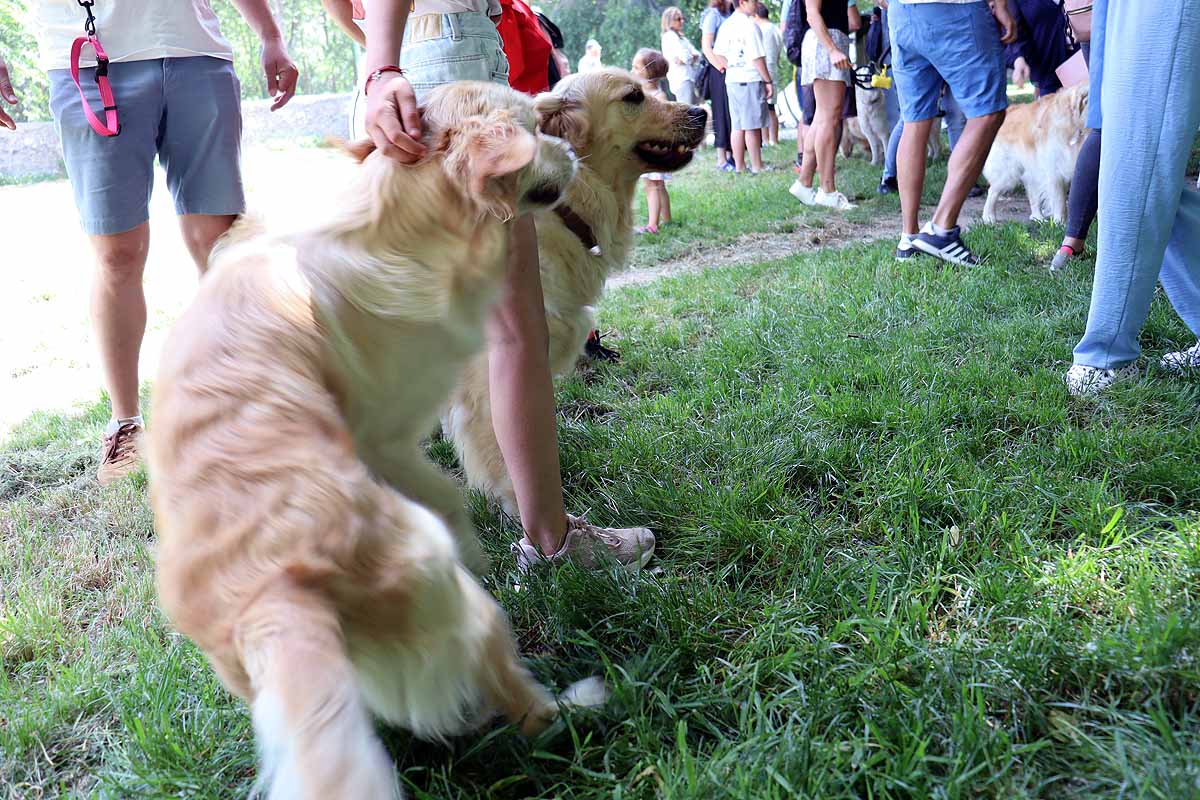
[650, 67]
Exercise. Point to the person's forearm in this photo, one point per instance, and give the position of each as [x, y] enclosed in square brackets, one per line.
[341, 12]
[760, 64]
[260, 19]
[706, 46]
[818, 24]
[854, 19]
[385, 31]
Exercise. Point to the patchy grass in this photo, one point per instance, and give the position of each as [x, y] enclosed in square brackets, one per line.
[896, 560]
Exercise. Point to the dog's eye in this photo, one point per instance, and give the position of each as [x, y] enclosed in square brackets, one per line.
[634, 96]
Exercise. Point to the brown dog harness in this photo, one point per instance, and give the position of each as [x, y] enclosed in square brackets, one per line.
[578, 226]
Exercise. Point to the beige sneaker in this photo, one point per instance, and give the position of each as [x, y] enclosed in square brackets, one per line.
[121, 453]
[590, 547]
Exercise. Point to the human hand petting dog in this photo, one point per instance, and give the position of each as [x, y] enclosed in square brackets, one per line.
[10, 97]
[393, 121]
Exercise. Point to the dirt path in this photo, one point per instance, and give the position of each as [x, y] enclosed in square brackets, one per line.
[48, 361]
[753, 248]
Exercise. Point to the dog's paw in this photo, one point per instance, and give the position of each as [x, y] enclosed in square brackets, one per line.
[587, 693]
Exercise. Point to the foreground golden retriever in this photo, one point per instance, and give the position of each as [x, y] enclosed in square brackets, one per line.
[1037, 146]
[305, 543]
[619, 133]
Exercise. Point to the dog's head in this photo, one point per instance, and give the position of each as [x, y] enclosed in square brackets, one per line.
[616, 128]
[484, 139]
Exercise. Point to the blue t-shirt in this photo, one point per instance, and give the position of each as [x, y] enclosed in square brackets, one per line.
[711, 19]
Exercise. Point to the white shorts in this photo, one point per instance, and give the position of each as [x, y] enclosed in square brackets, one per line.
[814, 59]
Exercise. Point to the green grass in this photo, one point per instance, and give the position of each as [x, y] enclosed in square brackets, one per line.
[896, 560]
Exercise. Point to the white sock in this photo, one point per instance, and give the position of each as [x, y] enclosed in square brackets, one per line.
[114, 424]
[940, 231]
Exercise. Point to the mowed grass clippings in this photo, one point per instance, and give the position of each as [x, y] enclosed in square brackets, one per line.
[895, 560]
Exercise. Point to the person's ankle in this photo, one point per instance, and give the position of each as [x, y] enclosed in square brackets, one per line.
[546, 540]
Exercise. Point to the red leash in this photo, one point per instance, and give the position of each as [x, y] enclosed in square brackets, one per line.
[111, 125]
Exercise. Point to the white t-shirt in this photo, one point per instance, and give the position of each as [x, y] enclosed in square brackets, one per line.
[772, 39]
[130, 30]
[589, 63]
[740, 41]
[676, 47]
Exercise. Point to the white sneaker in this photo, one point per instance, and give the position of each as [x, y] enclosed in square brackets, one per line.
[1182, 361]
[805, 194]
[835, 200]
[1084, 381]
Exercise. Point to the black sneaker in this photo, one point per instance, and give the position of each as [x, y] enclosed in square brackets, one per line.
[948, 248]
[888, 186]
[977, 191]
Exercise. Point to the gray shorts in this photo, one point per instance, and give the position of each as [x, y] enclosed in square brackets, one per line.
[186, 111]
[747, 105]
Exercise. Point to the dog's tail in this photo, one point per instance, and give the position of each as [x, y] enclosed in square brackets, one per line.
[315, 736]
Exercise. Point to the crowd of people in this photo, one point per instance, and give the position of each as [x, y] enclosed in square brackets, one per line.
[179, 102]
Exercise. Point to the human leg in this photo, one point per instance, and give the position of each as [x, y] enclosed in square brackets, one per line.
[830, 97]
[1142, 208]
[754, 149]
[652, 207]
[522, 394]
[664, 202]
[965, 165]
[201, 232]
[910, 165]
[119, 313]
[1081, 202]
[738, 139]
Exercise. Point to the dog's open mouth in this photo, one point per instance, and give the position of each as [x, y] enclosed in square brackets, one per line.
[665, 156]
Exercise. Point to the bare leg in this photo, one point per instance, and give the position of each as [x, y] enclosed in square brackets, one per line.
[119, 313]
[664, 201]
[808, 169]
[522, 394]
[910, 169]
[966, 162]
[738, 140]
[773, 128]
[652, 203]
[200, 233]
[754, 146]
[830, 97]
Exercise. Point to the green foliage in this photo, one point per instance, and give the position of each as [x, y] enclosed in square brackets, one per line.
[324, 55]
[19, 49]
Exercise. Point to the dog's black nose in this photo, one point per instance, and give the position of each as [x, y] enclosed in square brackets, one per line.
[697, 116]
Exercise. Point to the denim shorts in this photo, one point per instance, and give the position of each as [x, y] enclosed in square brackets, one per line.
[186, 111]
[443, 48]
[958, 43]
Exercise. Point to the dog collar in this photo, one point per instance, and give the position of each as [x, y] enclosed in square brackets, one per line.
[578, 226]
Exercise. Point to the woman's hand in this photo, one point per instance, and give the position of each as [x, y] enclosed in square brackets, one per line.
[838, 59]
[392, 120]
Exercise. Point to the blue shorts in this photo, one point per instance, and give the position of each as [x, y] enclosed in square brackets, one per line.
[443, 48]
[958, 43]
[186, 111]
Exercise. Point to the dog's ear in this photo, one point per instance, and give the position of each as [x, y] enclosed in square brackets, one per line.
[495, 147]
[1081, 101]
[357, 150]
[560, 115]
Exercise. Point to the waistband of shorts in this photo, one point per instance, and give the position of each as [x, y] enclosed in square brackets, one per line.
[426, 27]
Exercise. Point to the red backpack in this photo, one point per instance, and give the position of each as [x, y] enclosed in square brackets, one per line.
[527, 46]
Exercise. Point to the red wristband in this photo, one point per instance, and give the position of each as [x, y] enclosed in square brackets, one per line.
[374, 76]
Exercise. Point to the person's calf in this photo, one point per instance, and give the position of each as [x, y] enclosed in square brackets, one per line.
[201, 232]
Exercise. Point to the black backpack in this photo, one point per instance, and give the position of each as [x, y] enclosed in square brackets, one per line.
[556, 41]
[796, 27]
[877, 44]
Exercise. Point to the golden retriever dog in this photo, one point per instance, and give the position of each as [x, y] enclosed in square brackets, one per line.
[1037, 146]
[869, 129]
[305, 543]
[619, 133]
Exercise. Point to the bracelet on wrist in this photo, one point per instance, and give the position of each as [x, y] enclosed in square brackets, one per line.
[377, 74]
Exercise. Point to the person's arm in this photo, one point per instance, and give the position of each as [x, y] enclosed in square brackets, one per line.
[281, 73]
[342, 12]
[10, 97]
[561, 61]
[836, 57]
[392, 120]
[758, 58]
[855, 18]
[760, 64]
[707, 40]
[1008, 25]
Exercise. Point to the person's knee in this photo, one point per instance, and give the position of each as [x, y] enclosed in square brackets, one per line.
[121, 260]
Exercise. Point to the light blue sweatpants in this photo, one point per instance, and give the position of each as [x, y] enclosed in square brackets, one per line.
[956, 121]
[1149, 222]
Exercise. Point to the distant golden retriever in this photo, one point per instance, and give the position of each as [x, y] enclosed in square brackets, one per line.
[1037, 146]
[619, 133]
[305, 543]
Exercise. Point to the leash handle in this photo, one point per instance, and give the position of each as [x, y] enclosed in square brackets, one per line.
[111, 126]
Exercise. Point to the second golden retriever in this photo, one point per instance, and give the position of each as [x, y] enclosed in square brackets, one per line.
[619, 133]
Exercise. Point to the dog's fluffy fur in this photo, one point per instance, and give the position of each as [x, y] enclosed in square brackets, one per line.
[619, 134]
[1037, 146]
[869, 129]
[305, 543]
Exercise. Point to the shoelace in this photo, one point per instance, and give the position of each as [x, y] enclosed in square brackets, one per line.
[119, 445]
